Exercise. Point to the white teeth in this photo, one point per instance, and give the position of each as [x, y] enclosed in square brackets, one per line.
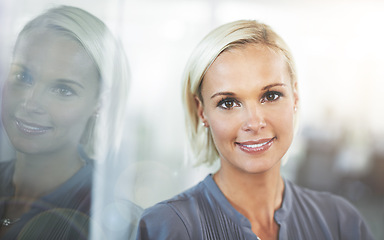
[256, 145]
[31, 129]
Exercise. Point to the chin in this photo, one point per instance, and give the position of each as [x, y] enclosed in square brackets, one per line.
[260, 167]
[27, 146]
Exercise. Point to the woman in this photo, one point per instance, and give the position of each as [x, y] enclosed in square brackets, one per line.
[241, 100]
[56, 107]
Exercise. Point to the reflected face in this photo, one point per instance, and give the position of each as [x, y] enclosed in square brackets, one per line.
[249, 106]
[50, 93]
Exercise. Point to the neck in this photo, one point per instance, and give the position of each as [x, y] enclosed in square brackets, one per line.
[256, 196]
[36, 175]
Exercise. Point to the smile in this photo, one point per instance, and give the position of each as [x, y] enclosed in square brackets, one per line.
[256, 146]
[31, 129]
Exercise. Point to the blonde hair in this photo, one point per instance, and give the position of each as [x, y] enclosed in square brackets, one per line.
[231, 35]
[103, 129]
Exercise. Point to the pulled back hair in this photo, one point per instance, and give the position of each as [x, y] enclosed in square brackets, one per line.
[235, 34]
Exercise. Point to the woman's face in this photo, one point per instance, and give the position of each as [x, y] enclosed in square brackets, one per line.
[50, 93]
[249, 106]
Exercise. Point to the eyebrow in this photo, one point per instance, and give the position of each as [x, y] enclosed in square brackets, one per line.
[273, 85]
[222, 94]
[70, 82]
[21, 66]
[233, 94]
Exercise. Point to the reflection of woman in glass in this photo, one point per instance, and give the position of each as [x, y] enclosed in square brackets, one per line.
[241, 100]
[65, 65]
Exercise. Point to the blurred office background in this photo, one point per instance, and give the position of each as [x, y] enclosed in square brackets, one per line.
[339, 51]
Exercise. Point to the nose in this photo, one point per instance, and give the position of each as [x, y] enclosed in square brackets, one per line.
[254, 119]
[32, 101]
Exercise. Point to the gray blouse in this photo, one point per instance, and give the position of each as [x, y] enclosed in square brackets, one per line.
[203, 212]
[61, 214]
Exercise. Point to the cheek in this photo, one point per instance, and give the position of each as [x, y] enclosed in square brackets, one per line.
[224, 128]
[285, 121]
[71, 115]
[74, 116]
[9, 101]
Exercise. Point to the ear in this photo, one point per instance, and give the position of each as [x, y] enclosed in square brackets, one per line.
[200, 111]
[295, 96]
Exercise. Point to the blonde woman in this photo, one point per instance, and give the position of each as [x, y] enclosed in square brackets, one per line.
[241, 100]
[62, 106]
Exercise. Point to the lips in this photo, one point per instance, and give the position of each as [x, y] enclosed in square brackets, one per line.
[258, 146]
[31, 128]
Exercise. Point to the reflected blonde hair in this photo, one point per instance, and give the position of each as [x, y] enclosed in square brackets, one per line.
[104, 128]
[231, 35]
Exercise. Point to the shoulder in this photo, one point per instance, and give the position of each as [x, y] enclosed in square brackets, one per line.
[171, 219]
[324, 201]
[330, 211]
[6, 167]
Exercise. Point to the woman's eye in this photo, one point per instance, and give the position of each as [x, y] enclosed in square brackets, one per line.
[271, 96]
[228, 103]
[23, 77]
[63, 91]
